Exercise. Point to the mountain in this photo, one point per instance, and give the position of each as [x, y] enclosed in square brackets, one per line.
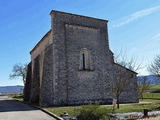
[11, 89]
[19, 89]
[151, 78]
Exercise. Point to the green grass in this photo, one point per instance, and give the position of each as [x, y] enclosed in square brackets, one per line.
[60, 110]
[137, 108]
[17, 97]
[151, 95]
[72, 111]
[155, 86]
[150, 100]
[148, 97]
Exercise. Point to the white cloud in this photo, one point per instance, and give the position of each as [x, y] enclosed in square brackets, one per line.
[154, 41]
[133, 49]
[134, 16]
[157, 36]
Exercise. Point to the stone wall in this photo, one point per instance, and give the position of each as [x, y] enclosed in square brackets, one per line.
[27, 88]
[39, 49]
[124, 76]
[71, 33]
[47, 90]
[87, 85]
[35, 89]
[130, 96]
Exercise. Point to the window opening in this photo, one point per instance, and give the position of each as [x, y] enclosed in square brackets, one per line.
[83, 61]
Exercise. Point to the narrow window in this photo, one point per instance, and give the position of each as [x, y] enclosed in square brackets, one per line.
[85, 60]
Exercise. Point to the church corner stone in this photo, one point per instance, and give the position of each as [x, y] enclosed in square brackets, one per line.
[71, 63]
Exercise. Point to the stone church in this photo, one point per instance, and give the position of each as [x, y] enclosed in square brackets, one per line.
[72, 64]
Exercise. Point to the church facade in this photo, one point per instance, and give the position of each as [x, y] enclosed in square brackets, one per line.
[72, 64]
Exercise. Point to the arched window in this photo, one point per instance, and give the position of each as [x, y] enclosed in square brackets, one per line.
[85, 61]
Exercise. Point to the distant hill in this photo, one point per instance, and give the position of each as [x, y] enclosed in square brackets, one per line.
[19, 89]
[152, 78]
[11, 89]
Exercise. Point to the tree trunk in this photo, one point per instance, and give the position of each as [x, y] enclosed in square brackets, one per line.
[142, 96]
[117, 101]
[24, 80]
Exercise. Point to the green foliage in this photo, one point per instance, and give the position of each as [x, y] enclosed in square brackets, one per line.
[17, 97]
[91, 112]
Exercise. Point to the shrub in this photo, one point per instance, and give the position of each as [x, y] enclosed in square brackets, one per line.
[91, 112]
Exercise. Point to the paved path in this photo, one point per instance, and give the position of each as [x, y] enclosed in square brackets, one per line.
[15, 110]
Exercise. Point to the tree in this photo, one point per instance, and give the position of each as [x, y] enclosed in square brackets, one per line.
[143, 85]
[154, 67]
[19, 71]
[122, 81]
[130, 63]
[123, 74]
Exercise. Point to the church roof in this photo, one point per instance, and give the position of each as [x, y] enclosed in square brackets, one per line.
[43, 38]
[125, 68]
[55, 11]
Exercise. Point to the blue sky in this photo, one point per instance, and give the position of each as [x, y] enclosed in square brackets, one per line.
[134, 26]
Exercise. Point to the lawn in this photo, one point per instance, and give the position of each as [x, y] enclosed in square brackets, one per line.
[137, 108]
[16, 97]
[72, 110]
[60, 110]
[151, 95]
[155, 86]
[154, 98]
[150, 100]
[20, 97]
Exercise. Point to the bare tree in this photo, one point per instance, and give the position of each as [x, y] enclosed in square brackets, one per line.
[124, 74]
[143, 85]
[19, 71]
[122, 81]
[154, 67]
[122, 59]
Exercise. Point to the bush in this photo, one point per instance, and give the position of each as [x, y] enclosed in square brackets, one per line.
[18, 97]
[91, 112]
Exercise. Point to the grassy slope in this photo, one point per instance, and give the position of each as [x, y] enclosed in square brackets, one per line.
[155, 86]
[151, 95]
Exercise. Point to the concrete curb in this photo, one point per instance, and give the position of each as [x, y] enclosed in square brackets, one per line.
[43, 110]
[49, 113]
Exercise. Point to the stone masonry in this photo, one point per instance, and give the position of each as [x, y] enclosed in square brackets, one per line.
[72, 64]
[27, 88]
